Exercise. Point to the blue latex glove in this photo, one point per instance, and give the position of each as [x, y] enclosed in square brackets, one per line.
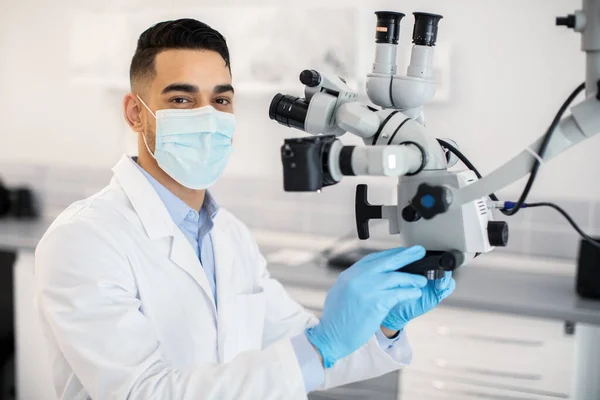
[433, 294]
[361, 298]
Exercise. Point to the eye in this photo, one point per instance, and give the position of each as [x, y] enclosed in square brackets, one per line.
[180, 100]
[223, 101]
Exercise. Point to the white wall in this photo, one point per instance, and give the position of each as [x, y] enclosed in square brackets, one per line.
[511, 70]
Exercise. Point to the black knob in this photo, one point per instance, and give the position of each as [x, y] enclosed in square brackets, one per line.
[498, 233]
[431, 200]
[364, 212]
[448, 261]
[425, 29]
[598, 90]
[310, 78]
[569, 21]
[409, 214]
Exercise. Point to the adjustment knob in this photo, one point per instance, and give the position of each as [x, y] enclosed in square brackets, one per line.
[431, 200]
[310, 78]
[409, 214]
[364, 212]
[569, 21]
[498, 233]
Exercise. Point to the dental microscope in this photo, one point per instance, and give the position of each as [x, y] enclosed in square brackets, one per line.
[448, 212]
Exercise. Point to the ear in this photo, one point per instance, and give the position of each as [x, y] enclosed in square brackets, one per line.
[132, 110]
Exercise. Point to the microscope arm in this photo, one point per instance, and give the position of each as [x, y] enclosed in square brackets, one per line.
[583, 123]
[379, 160]
[386, 160]
[374, 160]
[357, 119]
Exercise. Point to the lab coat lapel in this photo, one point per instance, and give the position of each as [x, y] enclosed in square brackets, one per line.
[157, 222]
[224, 261]
[184, 256]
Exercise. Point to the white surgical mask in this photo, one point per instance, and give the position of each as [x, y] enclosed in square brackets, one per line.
[192, 146]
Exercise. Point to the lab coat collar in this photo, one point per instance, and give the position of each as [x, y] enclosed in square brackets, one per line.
[145, 201]
[176, 207]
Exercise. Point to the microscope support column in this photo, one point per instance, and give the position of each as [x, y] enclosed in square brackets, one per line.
[586, 385]
[590, 41]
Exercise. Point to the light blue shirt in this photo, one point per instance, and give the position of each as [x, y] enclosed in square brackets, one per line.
[196, 226]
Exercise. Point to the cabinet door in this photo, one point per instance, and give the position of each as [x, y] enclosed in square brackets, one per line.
[463, 354]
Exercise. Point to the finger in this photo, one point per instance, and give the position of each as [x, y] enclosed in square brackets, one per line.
[400, 279]
[398, 260]
[448, 291]
[442, 284]
[395, 296]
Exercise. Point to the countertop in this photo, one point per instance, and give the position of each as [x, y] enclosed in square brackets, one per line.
[499, 282]
[478, 287]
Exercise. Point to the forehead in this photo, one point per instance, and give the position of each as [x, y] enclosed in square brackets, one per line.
[204, 68]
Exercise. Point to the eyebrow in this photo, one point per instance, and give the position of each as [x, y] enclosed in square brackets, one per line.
[193, 89]
[223, 89]
[181, 87]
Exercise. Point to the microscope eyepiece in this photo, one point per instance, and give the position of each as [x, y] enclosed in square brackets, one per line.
[425, 28]
[388, 26]
[289, 110]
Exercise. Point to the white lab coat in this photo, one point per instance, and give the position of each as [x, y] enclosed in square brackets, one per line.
[128, 312]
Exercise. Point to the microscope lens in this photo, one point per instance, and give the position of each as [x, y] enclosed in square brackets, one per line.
[289, 110]
[388, 27]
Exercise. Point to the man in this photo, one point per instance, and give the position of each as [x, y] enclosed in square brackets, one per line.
[149, 290]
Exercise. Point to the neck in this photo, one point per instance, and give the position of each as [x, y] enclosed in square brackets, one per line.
[193, 198]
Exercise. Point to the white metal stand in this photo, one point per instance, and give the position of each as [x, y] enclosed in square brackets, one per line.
[586, 373]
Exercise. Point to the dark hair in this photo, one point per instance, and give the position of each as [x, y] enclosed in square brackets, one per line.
[184, 33]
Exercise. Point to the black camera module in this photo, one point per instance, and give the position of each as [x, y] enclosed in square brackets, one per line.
[289, 110]
[306, 163]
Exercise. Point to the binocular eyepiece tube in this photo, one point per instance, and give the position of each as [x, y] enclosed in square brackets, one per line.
[387, 32]
[425, 28]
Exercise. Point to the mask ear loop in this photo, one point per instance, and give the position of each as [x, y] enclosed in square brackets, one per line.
[144, 134]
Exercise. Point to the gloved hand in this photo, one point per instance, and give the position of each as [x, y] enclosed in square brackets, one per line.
[433, 294]
[361, 298]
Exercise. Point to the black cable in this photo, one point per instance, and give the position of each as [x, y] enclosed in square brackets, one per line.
[568, 217]
[542, 150]
[469, 165]
[464, 160]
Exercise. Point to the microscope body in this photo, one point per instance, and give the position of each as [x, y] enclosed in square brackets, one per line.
[397, 144]
[465, 230]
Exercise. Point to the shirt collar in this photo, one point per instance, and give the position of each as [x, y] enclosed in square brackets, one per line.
[176, 207]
